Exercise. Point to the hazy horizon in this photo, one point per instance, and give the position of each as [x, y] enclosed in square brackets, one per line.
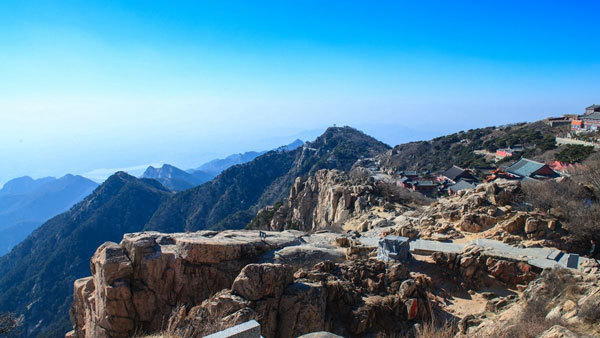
[91, 86]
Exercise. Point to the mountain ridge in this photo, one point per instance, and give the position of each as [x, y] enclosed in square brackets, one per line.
[37, 275]
[269, 177]
[26, 203]
[217, 166]
[176, 179]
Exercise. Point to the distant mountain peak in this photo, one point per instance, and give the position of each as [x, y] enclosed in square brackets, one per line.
[175, 178]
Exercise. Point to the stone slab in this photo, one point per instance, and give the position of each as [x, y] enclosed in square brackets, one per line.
[249, 329]
[573, 261]
[542, 258]
[427, 247]
[555, 255]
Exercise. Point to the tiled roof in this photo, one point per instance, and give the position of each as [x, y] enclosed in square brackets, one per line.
[453, 172]
[425, 183]
[592, 116]
[462, 185]
[525, 167]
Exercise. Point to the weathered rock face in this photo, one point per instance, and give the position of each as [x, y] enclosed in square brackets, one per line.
[135, 285]
[491, 209]
[319, 201]
[351, 299]
[472, 263]
[562, 296]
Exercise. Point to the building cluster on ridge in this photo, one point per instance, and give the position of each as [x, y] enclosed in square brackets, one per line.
[455, 178]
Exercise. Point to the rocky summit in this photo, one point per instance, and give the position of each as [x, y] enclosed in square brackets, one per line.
[204, 281]
[313, 263]
[333, 238]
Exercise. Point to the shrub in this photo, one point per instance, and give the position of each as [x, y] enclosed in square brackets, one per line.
[574, 153]
[575, 205]
[395, 194]
[433, 329]
[9, 322]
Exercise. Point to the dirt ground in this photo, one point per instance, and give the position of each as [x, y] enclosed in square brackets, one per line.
[454, 297]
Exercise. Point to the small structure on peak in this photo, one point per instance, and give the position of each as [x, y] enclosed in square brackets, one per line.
[508, 152]
[595, 108]
[589, 121]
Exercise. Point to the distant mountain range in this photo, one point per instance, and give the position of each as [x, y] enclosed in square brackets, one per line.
[26, 203]
[215, 167]
[36, 277]
[232, 199]
[178, 180]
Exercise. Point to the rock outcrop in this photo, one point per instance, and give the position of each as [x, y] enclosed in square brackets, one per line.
[355, 298]
[492, 210]
[472, 263]
[136, 284]
[319, 201]
[559, 296]
[199, 283]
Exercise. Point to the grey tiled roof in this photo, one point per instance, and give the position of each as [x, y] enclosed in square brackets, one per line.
[525, 167]
[592, 116]
[453, 172]
[462, 185]
[426, 183]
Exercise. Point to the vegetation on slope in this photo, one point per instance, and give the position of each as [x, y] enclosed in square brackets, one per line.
[575, 201]
[37, 275]
[574, 153]
[459, 148]
[232, 199]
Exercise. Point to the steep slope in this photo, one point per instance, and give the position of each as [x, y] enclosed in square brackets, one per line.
[458, 149]
[234, 197]
[176, 179]
[26, 203]
[36, 277]
[217, 166]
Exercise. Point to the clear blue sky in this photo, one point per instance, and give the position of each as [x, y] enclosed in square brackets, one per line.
[109, 84]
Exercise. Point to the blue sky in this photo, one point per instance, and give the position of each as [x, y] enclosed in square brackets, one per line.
[110, 84]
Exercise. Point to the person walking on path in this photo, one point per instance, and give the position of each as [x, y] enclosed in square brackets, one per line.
[593, 251]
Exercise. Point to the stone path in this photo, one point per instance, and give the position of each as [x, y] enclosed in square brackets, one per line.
[542, 258]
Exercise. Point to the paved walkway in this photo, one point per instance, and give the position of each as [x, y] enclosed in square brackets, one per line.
[542, 258]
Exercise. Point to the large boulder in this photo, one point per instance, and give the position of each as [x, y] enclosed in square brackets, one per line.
[472, 222]
[258, 281]
[515, 225]
[302, 309]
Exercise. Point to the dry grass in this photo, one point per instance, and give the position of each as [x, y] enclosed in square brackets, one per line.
[434, 329]
[524, 328]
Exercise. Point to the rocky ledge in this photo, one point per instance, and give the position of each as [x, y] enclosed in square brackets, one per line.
[194, 284]
[135, 285]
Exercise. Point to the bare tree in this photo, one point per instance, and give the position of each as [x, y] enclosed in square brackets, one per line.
[9, 322]
[589, 173]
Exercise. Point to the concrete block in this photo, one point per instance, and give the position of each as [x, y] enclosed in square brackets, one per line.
[249, 329]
